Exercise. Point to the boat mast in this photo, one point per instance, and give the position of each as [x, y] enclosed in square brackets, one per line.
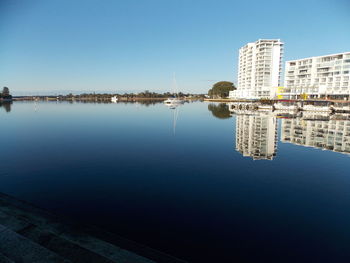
[175, 91]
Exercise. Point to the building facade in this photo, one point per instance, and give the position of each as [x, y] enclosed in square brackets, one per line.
[259, 69]
[256, 135]
[318, 77]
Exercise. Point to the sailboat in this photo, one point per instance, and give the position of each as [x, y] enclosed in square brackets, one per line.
[174, 101]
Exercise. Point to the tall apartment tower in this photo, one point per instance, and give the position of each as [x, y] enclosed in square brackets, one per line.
[259, 69]
[318, 77]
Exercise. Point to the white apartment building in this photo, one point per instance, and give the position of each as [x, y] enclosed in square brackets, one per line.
[333, 135]
[256, 135]
[259, 69]
[318, 77]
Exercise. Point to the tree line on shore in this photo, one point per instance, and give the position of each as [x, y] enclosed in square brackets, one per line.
[144, 95]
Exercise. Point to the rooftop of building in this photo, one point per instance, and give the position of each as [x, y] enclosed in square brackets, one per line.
[328, 55]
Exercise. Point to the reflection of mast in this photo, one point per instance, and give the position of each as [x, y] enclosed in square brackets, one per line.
[35, 106]
[176, 114]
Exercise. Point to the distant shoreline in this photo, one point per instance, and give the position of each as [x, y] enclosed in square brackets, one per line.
[92, 99]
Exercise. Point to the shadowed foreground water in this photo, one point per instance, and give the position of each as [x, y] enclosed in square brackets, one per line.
[181, 181]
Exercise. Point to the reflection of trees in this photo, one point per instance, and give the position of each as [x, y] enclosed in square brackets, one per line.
[141, 102]
[220, 111]
[6, 105]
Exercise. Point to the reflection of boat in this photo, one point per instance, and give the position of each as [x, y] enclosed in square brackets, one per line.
[175, 117]
[114, 99]
[314, 108]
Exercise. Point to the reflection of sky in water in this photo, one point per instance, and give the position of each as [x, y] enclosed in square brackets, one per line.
[192, 195]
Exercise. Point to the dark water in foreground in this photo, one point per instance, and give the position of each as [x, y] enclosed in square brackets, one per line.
[186, 189]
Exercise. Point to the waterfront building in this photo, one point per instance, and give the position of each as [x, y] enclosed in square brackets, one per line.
[256, 135]
[318, 77]
[259, 69]
[333, 135]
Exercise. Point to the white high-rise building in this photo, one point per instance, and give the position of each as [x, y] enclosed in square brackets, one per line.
[259, 69]
[318, 77]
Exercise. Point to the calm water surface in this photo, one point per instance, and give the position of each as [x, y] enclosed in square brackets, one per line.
[192, 182]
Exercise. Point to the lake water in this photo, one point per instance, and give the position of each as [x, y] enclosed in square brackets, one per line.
[194, 182]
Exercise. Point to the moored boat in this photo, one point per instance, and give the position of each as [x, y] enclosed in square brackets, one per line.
[114, 99]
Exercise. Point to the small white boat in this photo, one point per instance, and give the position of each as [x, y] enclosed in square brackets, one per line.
[316, 108]
[173, 101]
[114, 99]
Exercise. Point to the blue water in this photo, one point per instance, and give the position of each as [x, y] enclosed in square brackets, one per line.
[183, 189]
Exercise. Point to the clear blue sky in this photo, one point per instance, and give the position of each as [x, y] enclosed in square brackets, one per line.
[59, 46]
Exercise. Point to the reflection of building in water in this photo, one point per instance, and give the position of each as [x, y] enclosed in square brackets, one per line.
[256, 135]
[331, 135]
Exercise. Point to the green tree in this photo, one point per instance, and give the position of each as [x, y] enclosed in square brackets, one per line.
[220, 111]
[221, 89]
[5, 93]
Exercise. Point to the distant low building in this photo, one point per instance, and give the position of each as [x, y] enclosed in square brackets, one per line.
[318, 77]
